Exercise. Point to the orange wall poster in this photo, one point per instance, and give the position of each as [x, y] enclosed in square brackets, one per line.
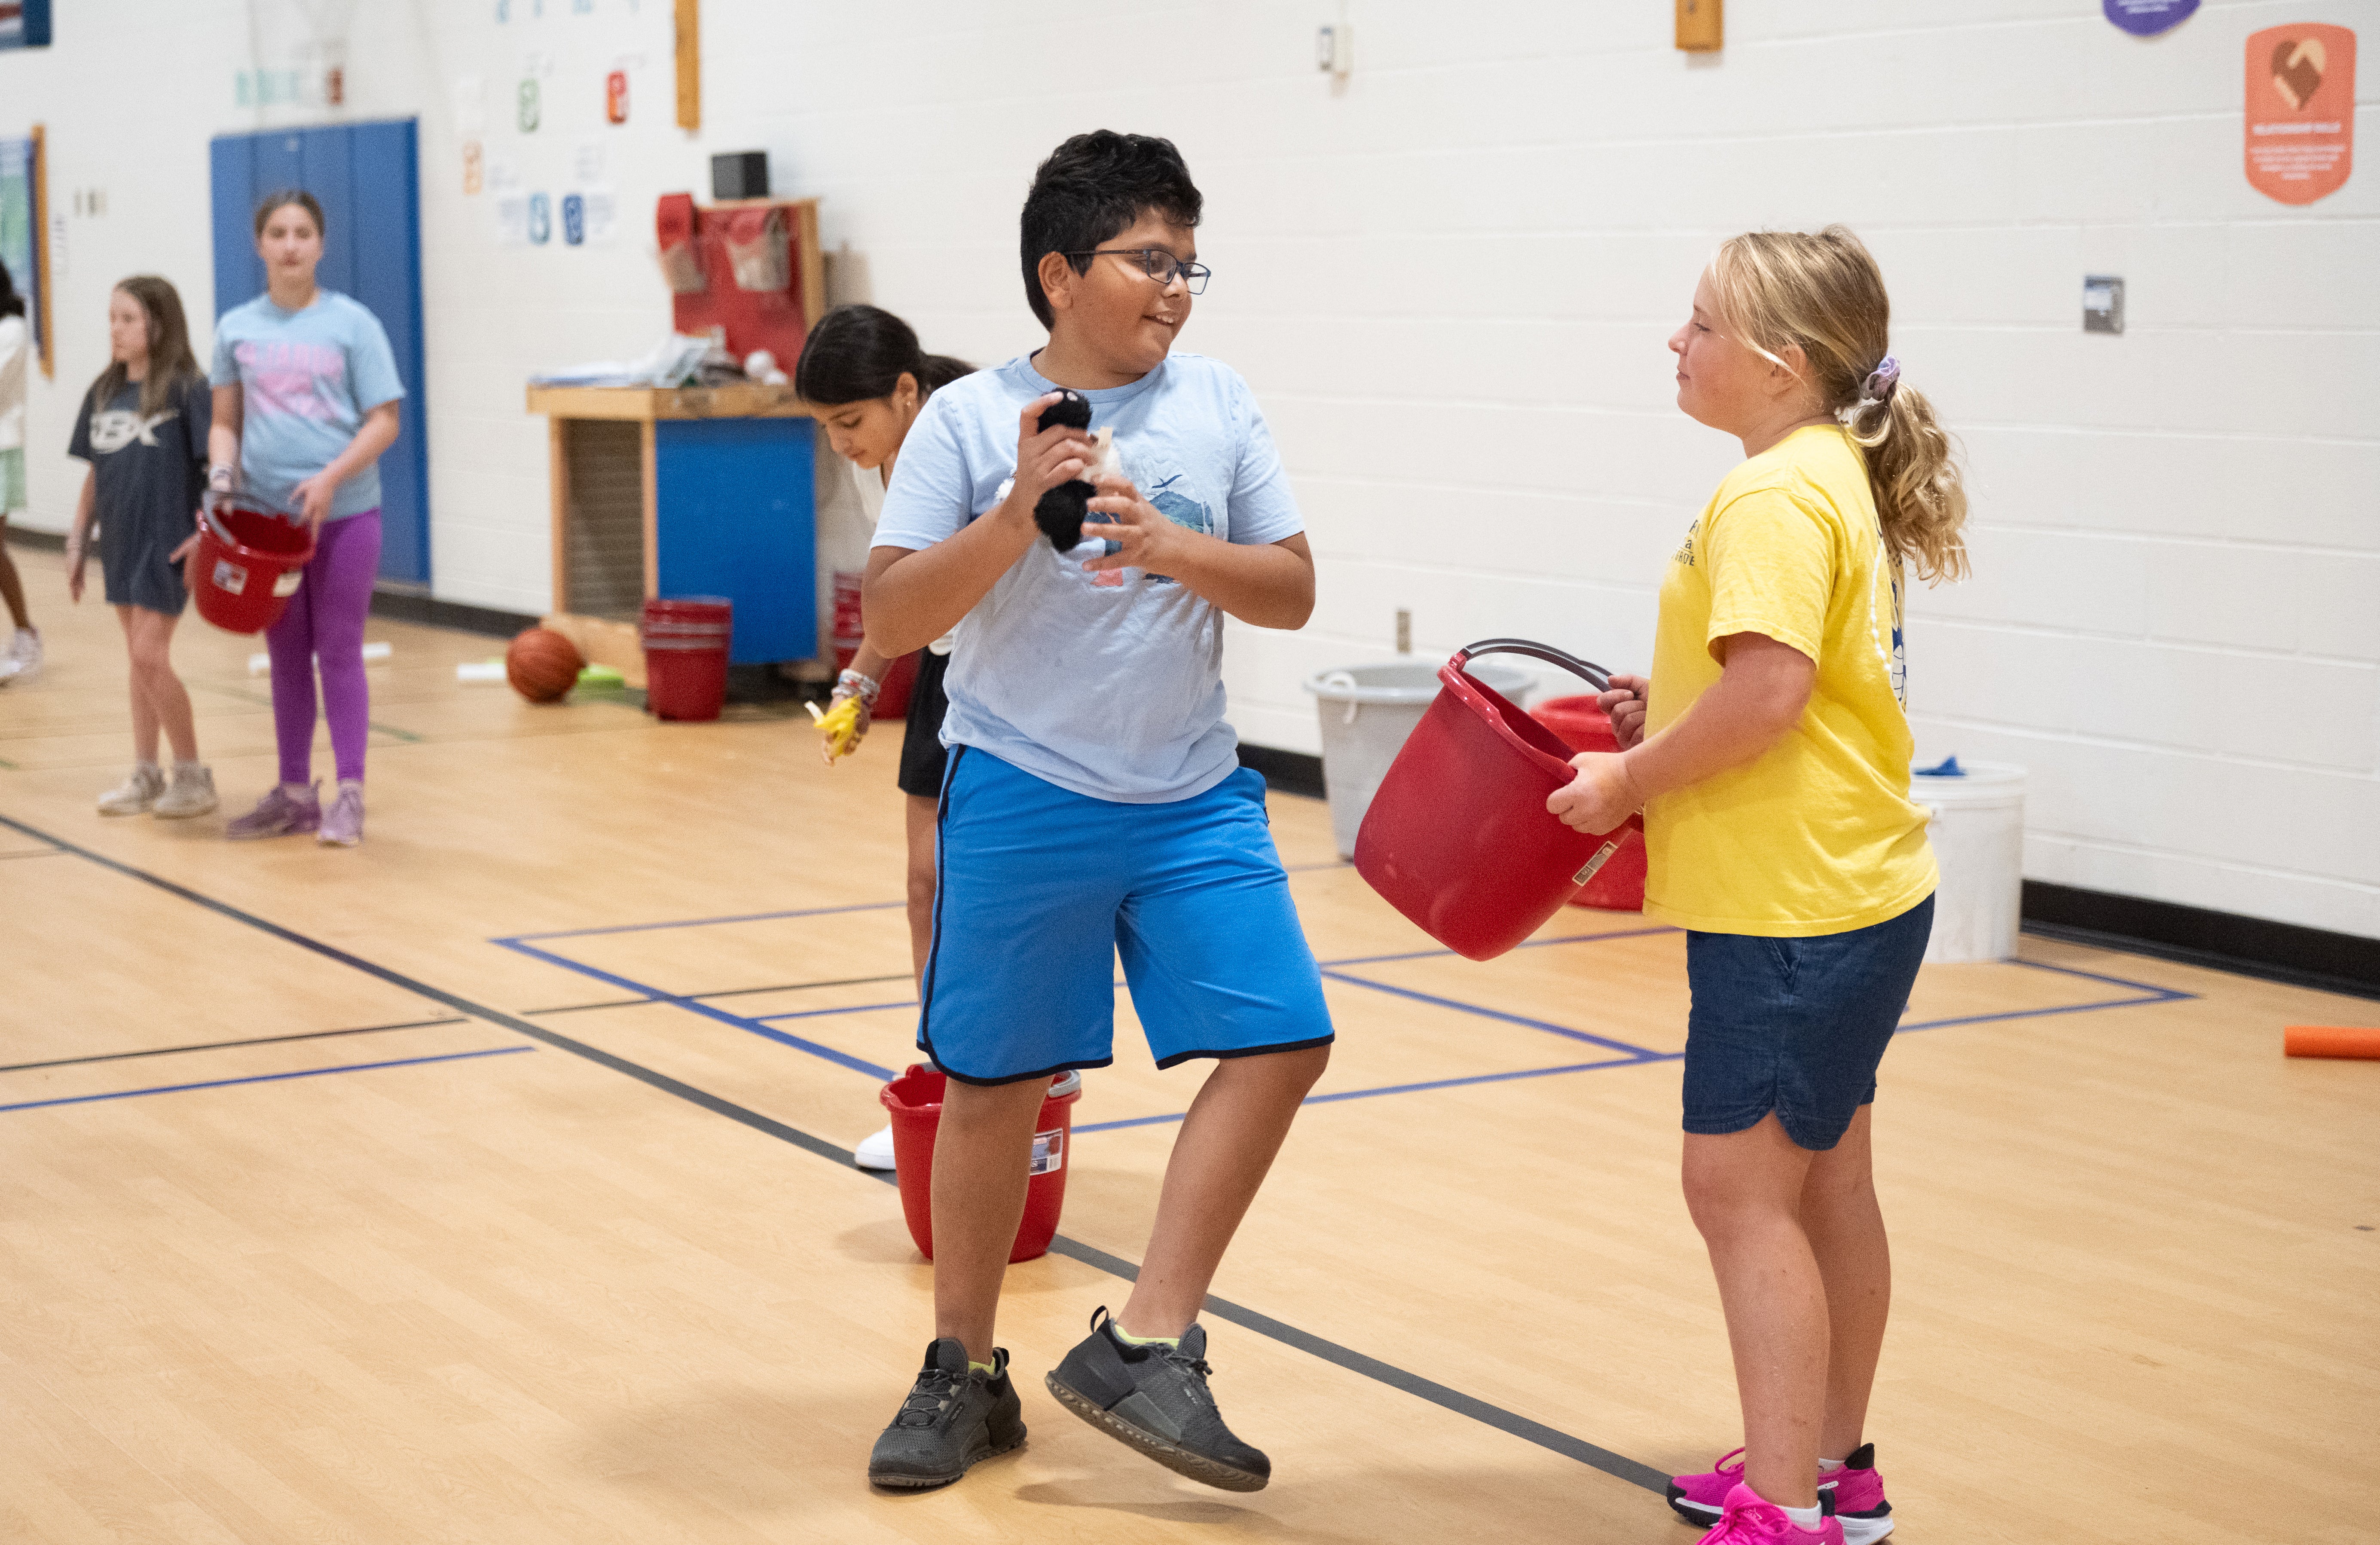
[2300, 111]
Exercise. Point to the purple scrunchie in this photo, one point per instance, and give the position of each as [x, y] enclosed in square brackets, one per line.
[1882, 381]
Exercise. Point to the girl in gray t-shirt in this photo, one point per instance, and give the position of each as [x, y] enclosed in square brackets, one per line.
[143, 429]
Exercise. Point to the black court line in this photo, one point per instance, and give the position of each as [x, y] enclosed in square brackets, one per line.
[222, 1045]
[724, 992]
[1553, 1440]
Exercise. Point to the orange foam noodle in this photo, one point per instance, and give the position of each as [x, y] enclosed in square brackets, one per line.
[2331, 1040]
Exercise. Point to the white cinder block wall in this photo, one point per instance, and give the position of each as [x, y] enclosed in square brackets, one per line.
[1450, 279]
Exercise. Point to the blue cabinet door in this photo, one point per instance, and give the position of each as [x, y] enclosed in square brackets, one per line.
[736, 516]
[365, 177]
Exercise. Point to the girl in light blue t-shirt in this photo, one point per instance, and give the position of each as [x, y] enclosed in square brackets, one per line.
[305, 396]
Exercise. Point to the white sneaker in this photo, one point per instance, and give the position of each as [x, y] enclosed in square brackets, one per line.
[27, 654]
[192, 792]
[137, 794]
[875, 1151]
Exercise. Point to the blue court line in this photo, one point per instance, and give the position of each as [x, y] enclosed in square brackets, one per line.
[1409, 1089]
[1630, 1054]
[262, 1078]
[1525, 1021]
[710, 922]
[654, 994]
[822, 1013]
[2161, 994]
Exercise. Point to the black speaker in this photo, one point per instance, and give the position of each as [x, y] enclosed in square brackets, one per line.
[740, 174]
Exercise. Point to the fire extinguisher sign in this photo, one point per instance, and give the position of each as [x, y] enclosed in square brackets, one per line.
[2301, 117]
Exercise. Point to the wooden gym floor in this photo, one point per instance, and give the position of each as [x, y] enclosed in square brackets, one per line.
[488, 1183]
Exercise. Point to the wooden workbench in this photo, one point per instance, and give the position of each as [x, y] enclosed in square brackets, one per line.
[701, 490]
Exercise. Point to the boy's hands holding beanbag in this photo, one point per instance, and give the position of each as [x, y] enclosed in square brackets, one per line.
[1045, 457]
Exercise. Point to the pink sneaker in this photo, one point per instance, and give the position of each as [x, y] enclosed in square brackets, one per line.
[1859, 1506]
[1856, 1491]
[1747, 1518]
[1699, 1498]
[278, 812]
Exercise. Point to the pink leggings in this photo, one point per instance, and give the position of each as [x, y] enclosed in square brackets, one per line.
[325, 624]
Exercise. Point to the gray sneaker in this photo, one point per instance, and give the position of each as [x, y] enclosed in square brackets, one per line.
[137, 794]
[192, 792]
[956, 1415]
[289, 807]
[343, 823]
[1156, 1399]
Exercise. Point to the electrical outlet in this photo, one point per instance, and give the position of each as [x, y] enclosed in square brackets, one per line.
[1334, 49]
[1404, 631]
[2103, 303]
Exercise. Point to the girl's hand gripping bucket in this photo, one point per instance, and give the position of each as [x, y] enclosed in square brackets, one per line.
[245, 567]
[1459, 838]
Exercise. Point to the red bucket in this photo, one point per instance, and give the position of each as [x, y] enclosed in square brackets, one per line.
[685, 644]
[1619, 885]
[915, 1100]
[900, 680]
[1458, 838]
[247, 565]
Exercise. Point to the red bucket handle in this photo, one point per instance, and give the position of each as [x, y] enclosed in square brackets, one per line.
[1460, 682]
[1587, 671]
[211, 519]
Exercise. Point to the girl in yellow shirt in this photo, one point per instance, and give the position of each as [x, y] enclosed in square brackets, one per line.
[1769, 751]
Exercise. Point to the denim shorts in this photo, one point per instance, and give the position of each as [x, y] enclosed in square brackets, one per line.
[1795, 1026]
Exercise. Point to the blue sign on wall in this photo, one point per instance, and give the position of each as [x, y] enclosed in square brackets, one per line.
[25, 25]
[2146, 18]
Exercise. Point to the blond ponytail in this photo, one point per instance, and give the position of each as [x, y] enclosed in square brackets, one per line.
[1825, 294]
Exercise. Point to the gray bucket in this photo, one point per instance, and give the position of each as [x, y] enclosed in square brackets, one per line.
[1367, 712]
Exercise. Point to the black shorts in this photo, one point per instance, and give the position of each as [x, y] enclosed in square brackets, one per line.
[924, 759]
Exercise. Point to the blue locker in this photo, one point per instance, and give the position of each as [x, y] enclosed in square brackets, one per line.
[734, 518]
[366, 178]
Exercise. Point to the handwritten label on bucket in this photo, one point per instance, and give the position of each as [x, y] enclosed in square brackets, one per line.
[1602, 855]
[1049, 1152]
[230, 577]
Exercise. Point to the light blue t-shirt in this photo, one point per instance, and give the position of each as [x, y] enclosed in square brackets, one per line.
[1110, 685]
[307, 379]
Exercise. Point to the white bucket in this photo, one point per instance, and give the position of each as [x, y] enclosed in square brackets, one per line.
[1978, 836]
[1366, 712]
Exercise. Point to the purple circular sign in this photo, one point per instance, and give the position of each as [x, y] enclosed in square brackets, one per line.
[2146, 18]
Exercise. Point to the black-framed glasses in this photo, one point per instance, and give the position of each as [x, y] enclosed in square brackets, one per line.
[1157, 263]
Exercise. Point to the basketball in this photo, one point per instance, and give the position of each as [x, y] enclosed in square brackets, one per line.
[542, 665]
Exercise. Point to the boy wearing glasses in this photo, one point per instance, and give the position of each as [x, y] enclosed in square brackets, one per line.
[1095, 805]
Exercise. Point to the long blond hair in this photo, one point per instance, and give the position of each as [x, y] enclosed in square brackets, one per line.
[1825, 294]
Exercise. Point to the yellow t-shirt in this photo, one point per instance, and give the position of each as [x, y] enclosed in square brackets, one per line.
[1818, 835]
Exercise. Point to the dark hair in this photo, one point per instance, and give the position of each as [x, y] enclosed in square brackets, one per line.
[282, 199]
[859, 353]
[11, 303]
[173, 367]
[1091, 187]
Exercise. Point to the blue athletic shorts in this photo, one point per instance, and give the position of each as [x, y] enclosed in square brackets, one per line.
[1795, 1026]
[1042, 888]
